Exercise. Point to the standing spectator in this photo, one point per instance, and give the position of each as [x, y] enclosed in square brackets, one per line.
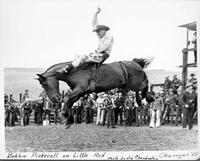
[47, 107]
[25, 96]
[179, 105]
[75, 108]
[167, 83]
[146, 109]
[38, 111]
[93, 97]
[88, 105]
[138, 111]
[188, 110]
[156, 107]
[6, 109]
[172, 103]
[129, 106]
[103, 112]
[99, 105]
[27, 111]
[166, 110]
[56, 110]
[110, 118]
[119, 102]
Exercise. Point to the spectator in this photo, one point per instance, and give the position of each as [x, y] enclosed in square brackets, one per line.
[146, 111]
[129, 106]
[119, 103]
[167, 83]
[75, 108]
[25, 96]
[176, 83]
[192, 79]
[56, 111]
[155, 108]
[179, 106]
[166, 110]
[27, 111]
[188, 110]
[107, 103]
[172, 103]
[138, 110]
[88, 106]
[99, 104]
[47, 106]
[38, 111]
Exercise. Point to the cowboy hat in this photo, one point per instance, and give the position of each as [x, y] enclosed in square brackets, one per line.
[101, 27]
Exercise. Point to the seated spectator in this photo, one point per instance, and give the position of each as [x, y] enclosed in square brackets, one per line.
[176, 83]
[167, 83]
[194, 41]
[155, 109]
[192, 79]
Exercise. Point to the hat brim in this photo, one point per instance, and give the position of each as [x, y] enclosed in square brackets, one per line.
[99, 29]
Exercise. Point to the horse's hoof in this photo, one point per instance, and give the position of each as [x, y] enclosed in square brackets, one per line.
[68, 126]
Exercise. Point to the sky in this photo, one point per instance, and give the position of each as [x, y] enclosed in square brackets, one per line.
[40, 33]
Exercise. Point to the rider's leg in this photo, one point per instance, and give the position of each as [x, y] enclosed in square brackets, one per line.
[78, 61]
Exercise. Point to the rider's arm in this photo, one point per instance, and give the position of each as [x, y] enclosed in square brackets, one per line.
[95, 20]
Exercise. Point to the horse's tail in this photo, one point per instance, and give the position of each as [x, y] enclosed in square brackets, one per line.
[144, 63]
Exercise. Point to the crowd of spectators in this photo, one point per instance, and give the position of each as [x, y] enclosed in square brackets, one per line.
[169, 106]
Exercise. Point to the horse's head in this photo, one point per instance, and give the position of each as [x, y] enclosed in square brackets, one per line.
[51, 86]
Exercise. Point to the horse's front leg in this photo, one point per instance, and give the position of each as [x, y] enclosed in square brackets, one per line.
[68, 103]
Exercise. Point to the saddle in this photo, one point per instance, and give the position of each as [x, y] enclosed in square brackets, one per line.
[93, 72]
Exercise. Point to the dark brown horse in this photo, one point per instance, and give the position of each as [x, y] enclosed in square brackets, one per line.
[125, 74]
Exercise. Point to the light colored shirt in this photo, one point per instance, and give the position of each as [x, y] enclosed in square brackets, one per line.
[106, 42]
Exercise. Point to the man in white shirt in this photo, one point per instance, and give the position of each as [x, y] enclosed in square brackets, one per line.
[101, 53]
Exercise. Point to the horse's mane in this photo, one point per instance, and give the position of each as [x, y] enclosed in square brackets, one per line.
[52, 69]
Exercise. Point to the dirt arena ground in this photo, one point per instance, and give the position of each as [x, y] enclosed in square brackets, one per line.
[89, 137]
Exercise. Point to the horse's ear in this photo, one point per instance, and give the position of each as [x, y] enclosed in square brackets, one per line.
[41, 77]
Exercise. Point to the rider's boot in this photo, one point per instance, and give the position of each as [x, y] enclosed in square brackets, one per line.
[66, 69]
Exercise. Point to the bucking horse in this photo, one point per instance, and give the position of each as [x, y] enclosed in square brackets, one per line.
[92, 77]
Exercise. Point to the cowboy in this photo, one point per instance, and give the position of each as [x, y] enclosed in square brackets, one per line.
[101, 53]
